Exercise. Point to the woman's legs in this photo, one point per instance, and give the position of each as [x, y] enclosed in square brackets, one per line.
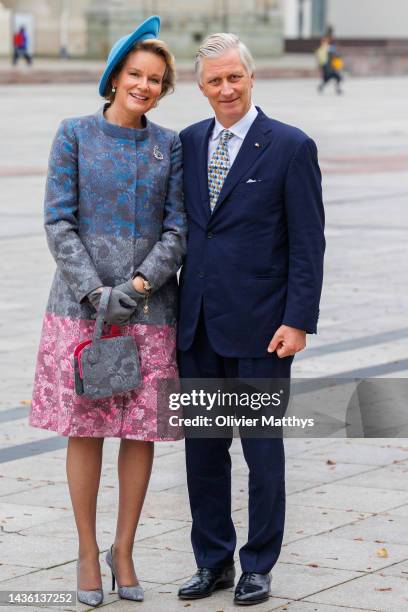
[84, 461]
[134, 469]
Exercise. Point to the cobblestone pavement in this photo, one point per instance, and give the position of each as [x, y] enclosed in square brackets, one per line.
[347, 499]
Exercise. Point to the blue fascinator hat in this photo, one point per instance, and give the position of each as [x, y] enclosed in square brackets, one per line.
[148, 29]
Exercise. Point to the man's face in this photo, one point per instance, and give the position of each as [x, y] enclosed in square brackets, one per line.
[228, 86]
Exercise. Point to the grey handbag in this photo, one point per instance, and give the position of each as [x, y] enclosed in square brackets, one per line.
[106, 365]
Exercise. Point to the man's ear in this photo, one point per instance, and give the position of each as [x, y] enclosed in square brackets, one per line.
[202, 89]
[252, 79]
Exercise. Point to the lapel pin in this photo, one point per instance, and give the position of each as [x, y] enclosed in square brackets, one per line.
[157, 153]
[257, 145]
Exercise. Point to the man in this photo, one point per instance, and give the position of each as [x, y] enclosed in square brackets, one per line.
[250, 291]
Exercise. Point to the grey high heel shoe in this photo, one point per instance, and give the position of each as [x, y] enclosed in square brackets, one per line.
[134, 593]
[90, 598]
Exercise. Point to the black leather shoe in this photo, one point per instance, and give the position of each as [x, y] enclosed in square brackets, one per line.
[207, 580]
[252, 588]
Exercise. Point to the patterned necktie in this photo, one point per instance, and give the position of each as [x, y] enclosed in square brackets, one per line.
[218, 167]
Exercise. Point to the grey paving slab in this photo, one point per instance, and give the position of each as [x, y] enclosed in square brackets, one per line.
[164, 599]
[400, 510]
[106, 527]
[297, 446]
[382, 593]
[298, 582]
[157, 565]
[9, 486]
[342, 553]
[398, 569]
[176, 539]
[353, 452]
[8, 572]
[380, 528]
[319, 470]
[394, 477]
[173, 503]
[25, 608]
[56, 495]
[63, 577]
[20, 430]
[40, 551]
[307, 606]
[294, 485]
[357, 499]
[167, 473]
[15, 517]
[302, 521]
[51, 467]
[169, 504]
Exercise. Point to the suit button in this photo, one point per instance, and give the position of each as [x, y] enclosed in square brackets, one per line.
[201, 275]
[210, 235]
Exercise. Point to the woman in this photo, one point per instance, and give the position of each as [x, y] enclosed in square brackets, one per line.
[113, 217]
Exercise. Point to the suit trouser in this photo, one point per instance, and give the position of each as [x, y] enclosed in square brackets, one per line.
[208, 463]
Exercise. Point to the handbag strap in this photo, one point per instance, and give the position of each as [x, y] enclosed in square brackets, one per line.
[100, 319]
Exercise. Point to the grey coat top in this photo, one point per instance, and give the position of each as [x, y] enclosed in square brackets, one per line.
[113, 207]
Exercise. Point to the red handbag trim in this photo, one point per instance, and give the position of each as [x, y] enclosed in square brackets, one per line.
[114, 332]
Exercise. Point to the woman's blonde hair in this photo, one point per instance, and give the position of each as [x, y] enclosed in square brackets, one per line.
[158, 47]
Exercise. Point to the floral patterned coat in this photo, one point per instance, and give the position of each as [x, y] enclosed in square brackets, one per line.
[113, 207]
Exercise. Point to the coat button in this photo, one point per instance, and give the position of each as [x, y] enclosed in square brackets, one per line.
[210, 235]
[201, 275]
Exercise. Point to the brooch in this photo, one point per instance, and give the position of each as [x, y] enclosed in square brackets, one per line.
[157, 153]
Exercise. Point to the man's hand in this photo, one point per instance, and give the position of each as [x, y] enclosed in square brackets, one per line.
[287, 341]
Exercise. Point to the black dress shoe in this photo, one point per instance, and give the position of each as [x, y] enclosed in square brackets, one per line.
[207, 580]
[252, 588]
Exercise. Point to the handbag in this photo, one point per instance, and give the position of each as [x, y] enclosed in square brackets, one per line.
[106, 365]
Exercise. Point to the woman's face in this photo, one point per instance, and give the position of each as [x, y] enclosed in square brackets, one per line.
[139, 83]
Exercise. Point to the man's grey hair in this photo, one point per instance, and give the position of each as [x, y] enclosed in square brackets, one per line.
[215, 45]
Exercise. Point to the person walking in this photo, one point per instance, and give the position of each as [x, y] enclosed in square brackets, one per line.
[322, 56]
[330, 63]
[114, 217]
[250, 291]
[20, 46]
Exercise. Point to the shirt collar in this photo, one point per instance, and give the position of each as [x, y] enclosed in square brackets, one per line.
[240, 128]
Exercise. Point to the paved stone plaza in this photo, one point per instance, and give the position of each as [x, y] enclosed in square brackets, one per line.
[347, 499]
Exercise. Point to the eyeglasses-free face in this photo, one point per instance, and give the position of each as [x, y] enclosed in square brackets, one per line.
[139, 84]
[226, 83]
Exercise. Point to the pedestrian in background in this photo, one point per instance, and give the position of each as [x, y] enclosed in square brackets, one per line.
[330, 64]
[322, 56]
[20, 46]
[114, 217]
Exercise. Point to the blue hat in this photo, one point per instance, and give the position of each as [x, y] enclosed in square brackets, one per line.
[148, 29]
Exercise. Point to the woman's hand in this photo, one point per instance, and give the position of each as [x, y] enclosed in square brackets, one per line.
[120, 307]
[134, 288]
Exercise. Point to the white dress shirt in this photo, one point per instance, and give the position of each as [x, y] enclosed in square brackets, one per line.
[239, 129]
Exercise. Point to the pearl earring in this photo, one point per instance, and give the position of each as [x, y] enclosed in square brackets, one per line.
[113, 89]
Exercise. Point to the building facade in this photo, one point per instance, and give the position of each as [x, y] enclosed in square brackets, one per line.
[362, 19]
[88, 28]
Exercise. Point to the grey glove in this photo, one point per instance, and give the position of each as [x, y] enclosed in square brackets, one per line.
[120, 307]
[129, 289]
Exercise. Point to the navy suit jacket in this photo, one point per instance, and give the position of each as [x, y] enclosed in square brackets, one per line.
[256, 262]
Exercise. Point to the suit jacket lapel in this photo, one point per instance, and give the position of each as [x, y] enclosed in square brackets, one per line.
[255, 143]
[202, 165]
